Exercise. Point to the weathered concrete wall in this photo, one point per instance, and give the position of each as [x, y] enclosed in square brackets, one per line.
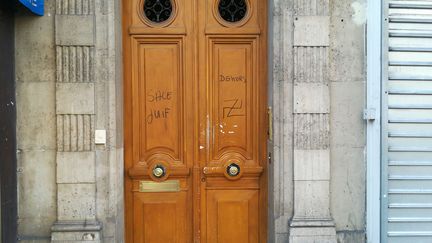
[36, 129]
[348, 87]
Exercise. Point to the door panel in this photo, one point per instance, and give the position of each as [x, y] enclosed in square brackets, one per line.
[233, 104]
[232, 98]
[160, 217]
[195, 121]
[159, 98]
[232, 216]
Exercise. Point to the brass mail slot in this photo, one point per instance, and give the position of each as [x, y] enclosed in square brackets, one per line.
[166, 186]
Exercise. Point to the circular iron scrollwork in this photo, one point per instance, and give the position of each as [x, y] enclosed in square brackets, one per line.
[158, 11]
[232, 10]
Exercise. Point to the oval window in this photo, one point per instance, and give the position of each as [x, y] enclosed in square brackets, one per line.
[232, 10]
[158, 11]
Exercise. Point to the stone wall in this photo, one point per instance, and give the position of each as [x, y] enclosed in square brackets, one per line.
[36, 124]
[69, 84]
[68, 75]
[348, 142]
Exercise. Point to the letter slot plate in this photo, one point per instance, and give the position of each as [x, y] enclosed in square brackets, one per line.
[166, 186]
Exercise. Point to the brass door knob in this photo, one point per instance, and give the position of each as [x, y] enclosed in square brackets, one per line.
[233, 169]
[159, 171]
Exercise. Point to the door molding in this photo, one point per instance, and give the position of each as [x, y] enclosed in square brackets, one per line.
[373, 120]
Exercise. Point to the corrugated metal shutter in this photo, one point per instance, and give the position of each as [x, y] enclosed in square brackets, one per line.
[408, 106]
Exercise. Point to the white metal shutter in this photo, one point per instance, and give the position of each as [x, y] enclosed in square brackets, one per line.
[407, 149]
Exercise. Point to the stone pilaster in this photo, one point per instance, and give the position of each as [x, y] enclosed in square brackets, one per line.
[281, 174]
[75, 111]
[312, 221]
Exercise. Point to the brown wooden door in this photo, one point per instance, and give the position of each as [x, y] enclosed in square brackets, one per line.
[195, 120]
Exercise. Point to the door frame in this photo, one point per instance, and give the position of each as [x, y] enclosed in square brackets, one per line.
[8, 166]
[373, 117]
[269, 227]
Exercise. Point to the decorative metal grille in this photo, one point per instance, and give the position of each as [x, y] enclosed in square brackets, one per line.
[232, 10]
[158, 11]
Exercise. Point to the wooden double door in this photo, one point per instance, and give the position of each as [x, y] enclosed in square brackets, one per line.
[195, 120]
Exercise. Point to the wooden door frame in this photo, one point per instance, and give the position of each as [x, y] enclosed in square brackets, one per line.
[265, 49]
[8, 165]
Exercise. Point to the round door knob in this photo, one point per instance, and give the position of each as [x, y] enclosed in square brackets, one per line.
[159, 171]
[233, 169]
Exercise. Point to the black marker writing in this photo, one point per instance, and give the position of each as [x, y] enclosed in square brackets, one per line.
[157, 114]
[234, 108]
[229, 78]
[159, 95]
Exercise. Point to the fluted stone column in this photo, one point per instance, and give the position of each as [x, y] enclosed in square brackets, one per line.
[75, 111]
[312, 221]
